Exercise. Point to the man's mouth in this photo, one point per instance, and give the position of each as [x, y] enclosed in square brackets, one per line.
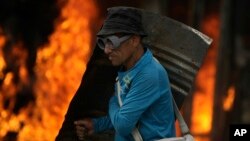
[111, 57]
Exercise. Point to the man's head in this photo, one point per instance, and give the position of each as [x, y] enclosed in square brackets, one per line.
[122, 20]
[120, 36]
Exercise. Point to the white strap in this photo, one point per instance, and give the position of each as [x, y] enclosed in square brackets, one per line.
[135, 133]
[118, 88]
[183, 126]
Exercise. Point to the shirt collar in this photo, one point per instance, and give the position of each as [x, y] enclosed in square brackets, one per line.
[142, 62]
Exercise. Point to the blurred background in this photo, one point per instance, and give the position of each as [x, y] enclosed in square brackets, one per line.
[45, 46]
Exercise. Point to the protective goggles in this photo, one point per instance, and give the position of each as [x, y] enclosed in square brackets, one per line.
[113, 39]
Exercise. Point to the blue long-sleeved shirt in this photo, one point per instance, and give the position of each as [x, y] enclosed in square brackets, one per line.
[147, 103]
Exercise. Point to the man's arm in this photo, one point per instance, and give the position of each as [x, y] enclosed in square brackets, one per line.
[142, 93]
[88, 126]
[101, 124]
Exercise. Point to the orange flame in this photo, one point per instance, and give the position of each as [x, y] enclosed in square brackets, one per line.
[228, 101]
[60, 66]
[201, 119]
[9, 121]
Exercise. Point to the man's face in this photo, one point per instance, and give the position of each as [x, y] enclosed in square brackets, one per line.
[120, 55]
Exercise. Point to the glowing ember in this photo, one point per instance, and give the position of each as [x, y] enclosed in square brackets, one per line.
[228, 101]
[60, 66]
[203, 96]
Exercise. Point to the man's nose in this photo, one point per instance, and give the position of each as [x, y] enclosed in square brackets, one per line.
[108, 48]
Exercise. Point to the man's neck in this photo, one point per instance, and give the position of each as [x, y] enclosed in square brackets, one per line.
[135, 57]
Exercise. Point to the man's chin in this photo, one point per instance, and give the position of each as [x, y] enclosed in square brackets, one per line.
[116, 64]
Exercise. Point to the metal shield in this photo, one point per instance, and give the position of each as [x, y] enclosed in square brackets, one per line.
[178, 47]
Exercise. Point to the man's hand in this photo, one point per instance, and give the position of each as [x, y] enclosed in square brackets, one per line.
[84, 128]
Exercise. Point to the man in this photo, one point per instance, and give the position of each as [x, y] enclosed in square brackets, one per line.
[142, 98]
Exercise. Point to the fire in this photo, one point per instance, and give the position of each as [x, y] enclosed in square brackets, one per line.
[228, 101]
[59, 68]
[2, 62]
[202, 111]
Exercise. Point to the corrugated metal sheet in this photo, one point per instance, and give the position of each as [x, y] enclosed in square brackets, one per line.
[179, 48]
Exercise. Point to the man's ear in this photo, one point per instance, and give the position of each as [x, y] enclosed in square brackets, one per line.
[135, 40]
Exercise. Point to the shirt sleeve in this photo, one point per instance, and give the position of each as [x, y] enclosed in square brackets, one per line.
[142, 93]
[101, 124]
